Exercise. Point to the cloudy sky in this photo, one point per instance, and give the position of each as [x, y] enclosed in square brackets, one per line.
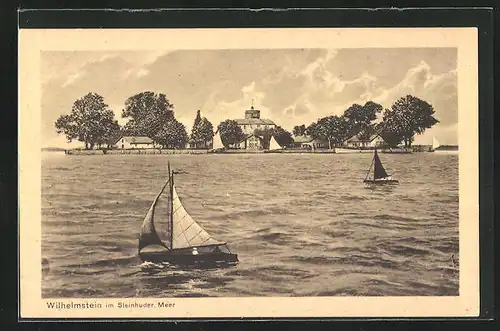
[289, 86]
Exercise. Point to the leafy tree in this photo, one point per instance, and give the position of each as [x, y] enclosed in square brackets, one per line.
[334, 129]
[230, 132]
[65, 124]
[206, 131]
[408, 116]
[311, 130]
[197, 120]
[112, 129]
[90, 121]
[131, 129]
[299, 130]
[367, 132]
[360, 117]
[391, 137]
[283, 137]
[172, 135]
[265, 136]
[202, 132]
[147, 113]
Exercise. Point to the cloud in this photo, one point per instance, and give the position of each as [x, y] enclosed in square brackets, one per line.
[235, 109]
[73, 78]
[319, 64]
[439, 90]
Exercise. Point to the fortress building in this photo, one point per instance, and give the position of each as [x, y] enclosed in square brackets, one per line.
[249, 124]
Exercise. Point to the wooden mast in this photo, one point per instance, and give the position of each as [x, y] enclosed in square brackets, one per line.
[171, 207]
[371, 165]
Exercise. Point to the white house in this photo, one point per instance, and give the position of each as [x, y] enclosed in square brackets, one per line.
[309, 142]
[131, 142]
[356, 142]
[249, 142]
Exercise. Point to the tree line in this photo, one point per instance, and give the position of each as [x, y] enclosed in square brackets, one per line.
[92, 122]
[152, 115]
[407, 117]
[149, 114]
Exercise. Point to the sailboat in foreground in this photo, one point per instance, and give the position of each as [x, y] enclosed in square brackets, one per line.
[188, 243]
[379, 175]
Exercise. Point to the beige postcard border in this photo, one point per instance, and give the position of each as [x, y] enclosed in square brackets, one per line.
[32, 42]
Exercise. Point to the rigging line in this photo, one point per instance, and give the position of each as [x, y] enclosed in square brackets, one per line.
[210, 237]
[371, 165]
[190, 225]
[184, 230]
[187, 240]
[178, 209]
[201, 230]
[179, 221]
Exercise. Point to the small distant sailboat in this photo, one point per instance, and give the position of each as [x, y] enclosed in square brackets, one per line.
[188, 243]
[435, 144]
[273, 144]
[274, 147]
[443, 149]
[217, 142]
[378, 175]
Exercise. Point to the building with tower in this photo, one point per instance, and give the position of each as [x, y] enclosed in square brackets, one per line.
[249, 124]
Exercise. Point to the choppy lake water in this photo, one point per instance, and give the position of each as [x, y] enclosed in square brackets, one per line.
[302, 224]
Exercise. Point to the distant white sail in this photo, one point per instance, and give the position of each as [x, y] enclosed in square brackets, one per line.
[435, 143]
[186, 232]
[273, 144]
[217, 141]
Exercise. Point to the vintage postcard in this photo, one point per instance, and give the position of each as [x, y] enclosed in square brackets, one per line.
[219, 173]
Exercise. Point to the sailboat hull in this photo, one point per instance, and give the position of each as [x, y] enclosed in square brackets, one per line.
[188, 259]
[381, 181]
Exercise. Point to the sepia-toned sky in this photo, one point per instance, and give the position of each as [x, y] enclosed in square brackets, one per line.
[289, 86]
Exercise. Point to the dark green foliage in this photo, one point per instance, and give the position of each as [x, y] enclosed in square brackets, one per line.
[283, 137]
[265, 136]
[360, 117]
[152, 115]
[172, 135]
[333, 129]
[90, 121]
[407, 117]
[366, 133]
[299, 130]
[202, 133]
[148, 113]
[230, 132]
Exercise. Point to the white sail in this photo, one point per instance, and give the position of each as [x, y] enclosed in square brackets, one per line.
[217, 141]
[435, 143]
[273, 144]
[186, 232]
